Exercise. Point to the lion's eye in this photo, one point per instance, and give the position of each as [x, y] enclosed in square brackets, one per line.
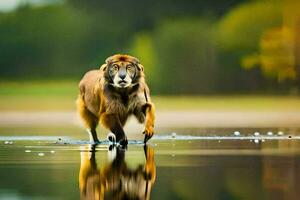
[115, 67]
[129, 67]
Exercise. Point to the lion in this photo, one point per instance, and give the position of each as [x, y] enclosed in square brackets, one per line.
[115, 180]
[111, 94]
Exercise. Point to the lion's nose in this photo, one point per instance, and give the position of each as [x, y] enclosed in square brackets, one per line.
[122, 76]
[122, 73]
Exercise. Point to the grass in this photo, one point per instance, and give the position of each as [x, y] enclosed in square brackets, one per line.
[226, 103]
[61, 96]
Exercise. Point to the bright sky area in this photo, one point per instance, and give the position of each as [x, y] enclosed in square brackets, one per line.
[9, 5]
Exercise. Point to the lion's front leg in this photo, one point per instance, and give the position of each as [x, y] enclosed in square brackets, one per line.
[112, 122]
[149, 111]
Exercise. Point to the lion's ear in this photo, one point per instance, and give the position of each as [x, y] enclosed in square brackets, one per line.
[137, 63]
[103, 67]
[135, 60]
[109, 59]
[140, 67]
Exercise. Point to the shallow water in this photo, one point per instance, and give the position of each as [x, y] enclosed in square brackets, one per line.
[171, 166]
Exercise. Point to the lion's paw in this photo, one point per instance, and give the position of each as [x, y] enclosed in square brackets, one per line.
[149, 131]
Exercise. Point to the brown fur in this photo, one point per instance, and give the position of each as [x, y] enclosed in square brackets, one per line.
[100, 101]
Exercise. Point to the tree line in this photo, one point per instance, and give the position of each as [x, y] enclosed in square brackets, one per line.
[187, 47]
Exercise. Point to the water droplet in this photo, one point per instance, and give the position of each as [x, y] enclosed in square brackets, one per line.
[173, 135]
[250, 140]
[270, 133]
[52, 151]
[8, 142]
[27, 151]
[41, 154]
[280, 133]
[263, 140]
[173, 155]
[256, 141]
[256, 134]
[236, 133]
[219, 141]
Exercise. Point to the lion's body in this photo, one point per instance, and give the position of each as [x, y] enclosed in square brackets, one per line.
[93, 103]
[100, 101]
[91, 93]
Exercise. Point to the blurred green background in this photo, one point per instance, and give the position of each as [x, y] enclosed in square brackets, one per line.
[214, 67]
[219, 48]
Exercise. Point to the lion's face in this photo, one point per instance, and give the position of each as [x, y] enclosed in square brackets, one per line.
[122, 71]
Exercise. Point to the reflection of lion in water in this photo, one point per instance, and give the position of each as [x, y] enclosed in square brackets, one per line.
[115, 180]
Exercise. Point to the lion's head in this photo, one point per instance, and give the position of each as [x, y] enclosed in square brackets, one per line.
[122, 71]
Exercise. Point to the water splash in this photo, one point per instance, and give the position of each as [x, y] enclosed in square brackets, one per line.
[101, 142]
[59, 140]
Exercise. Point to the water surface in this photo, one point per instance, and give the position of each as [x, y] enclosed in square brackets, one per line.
[171, 166]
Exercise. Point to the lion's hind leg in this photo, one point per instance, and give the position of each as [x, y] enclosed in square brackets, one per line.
[89, 119]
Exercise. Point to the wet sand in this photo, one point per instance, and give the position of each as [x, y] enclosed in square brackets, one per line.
[176, 119]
